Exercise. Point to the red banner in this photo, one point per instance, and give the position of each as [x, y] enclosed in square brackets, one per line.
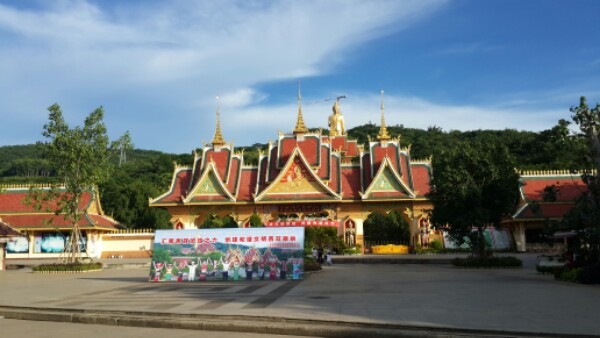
[303, 224]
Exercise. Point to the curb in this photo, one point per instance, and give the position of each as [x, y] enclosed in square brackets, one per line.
[254, 324]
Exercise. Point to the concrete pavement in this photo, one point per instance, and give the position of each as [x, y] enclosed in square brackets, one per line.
[342, 300]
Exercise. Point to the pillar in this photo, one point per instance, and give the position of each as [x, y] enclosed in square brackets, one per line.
[360, 234]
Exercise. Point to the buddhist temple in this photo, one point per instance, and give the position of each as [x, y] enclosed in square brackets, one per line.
[303, 178]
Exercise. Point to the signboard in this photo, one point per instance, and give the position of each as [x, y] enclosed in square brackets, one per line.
[302, 224]
[193, 255]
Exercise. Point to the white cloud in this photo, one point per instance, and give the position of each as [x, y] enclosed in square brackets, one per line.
[260, 124]
[157, 67]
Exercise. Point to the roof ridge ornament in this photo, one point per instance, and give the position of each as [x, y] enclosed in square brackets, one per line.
[300, 126]
[383, 132]
[218, 139]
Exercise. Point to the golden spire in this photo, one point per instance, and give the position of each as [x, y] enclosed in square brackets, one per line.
[383, 133]
[218, 139]
[300, 127]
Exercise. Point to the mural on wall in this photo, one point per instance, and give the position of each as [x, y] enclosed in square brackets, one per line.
[18, 245]
[495, 238]
[228, 254]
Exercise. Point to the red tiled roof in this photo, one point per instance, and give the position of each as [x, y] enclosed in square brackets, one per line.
[339, 143]
[366, 171]
[351, 182]
[334, 180]
[309, 146]
[403, 172]
[221, 159]
[421, 180]
[13, 201]
[273, 170]
[325, 168]
[37, 221]
[262, 174]
[178, 187]
[352, 148]
[379, 153]
[568, 188]
[247, 184]
[234, 174]
[546, 210]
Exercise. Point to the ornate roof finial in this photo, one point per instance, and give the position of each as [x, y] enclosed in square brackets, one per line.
[218, 139]
[383, 133]
[300, 127]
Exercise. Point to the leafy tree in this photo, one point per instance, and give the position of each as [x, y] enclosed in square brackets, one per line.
[386, 227]
[80, 157]
[584, 218]
[321, 237]
[214, 221]
[256, 221]
[473, 187]
[125, 145]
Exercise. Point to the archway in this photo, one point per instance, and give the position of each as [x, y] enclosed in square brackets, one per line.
[381, 228]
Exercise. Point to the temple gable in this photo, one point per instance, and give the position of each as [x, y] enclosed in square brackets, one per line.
[297, 179]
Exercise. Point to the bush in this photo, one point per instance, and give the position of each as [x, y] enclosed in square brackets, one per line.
[311, 265]
[548, 269]
[436, 245]
[68, 267]
[487, 262]
[568, 274]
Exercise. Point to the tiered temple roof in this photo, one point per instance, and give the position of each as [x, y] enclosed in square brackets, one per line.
[23, 216]
[301, 166]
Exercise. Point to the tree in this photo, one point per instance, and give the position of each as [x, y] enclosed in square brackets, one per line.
[473, 187]
[80, 157]
[584, 218]
[386, 228]
[124, 146]
[256, 221]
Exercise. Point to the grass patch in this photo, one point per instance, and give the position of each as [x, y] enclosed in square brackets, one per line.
[68, 267]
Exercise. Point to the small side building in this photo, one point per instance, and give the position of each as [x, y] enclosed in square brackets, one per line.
[7, 234]
[44, 232]
[545, 196]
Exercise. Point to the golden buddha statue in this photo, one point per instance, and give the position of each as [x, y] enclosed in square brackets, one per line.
[336, 121]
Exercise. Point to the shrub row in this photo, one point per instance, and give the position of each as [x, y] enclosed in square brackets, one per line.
[589, 274]
[67, 267]
[487, 262]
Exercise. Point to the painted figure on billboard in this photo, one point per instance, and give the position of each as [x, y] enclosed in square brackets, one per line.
[224, 254]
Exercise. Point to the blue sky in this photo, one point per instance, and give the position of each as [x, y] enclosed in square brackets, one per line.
[156, 67]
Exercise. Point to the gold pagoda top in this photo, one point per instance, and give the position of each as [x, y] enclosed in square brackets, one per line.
[218, 139]
[383, 132]
[300, 126]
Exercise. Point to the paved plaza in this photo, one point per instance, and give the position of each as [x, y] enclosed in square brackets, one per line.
[433, 299]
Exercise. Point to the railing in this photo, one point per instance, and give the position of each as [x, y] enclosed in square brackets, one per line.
[134, 231]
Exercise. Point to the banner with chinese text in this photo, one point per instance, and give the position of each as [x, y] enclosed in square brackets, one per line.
[228, 254]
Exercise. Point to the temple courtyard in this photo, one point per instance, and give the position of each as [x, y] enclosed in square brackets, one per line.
[430, 299]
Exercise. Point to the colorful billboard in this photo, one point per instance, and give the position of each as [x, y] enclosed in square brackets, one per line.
[228, 254]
